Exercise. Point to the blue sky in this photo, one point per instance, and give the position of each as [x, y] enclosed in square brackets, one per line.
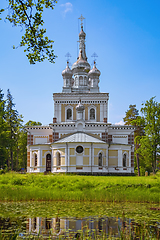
[125, 34]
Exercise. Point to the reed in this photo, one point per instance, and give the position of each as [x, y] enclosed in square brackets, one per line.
[39, 187]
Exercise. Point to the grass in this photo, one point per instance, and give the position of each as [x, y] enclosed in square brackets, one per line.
[39, 187]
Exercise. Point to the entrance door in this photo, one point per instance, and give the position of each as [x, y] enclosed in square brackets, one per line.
[48, 163]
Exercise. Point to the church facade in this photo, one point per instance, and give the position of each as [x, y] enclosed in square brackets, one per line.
[80, 139]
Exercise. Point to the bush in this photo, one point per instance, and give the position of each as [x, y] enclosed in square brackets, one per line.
[2, 171]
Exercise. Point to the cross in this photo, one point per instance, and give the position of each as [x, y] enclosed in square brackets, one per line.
[81, 19]
[94, 55]
[68, 56]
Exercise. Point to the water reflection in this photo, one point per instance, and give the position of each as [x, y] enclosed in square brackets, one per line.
[75, 228]
[71, 226]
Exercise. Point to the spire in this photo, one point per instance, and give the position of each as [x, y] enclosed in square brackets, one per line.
[81, 67]
[82, 37]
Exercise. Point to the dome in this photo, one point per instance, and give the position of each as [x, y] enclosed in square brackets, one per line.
[80, 107]
[67, 72]
[82, 33]
[81, 63]
[94, 71]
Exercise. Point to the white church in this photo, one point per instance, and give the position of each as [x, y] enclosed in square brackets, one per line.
[80, 139]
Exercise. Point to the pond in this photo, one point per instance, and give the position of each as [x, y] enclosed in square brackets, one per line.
[44, 220]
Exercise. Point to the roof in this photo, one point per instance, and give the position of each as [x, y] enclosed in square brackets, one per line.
[80, 137]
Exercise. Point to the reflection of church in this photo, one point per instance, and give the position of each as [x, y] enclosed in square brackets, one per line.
[80, 139]
[70, 227]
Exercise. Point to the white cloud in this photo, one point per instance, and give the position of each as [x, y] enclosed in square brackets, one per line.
[68, 7]
[119, 123]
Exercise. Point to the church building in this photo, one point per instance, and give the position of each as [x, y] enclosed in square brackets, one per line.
[80, 139]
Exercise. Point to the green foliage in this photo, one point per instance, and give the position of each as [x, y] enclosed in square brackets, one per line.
[33, 123]
[151, 141]
[147, 134]
[28, 15]
[39, 187]
[131, 115]
[132, 221]
[13, 136]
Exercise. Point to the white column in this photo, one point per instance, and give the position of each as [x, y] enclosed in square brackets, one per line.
[59, 120]
[55, 110]
[120, 158]
[52, 160]
[129, 158]
[107, 157]
[105, 110]
[101, 113]
[30, 158]
[39, 158]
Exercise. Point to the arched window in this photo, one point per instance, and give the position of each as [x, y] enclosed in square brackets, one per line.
[92, 113]
[81, 81]
[48, 162]
[35, 160]
[124, 160]
[69, 114]
[100, 159]
[58, 159]
[76, 81]
[85, 81]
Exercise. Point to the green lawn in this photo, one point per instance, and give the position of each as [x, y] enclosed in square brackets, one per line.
[27, 187]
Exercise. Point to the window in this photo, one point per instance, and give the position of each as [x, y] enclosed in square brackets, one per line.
[100, 159]
[85, 81]
[124, 160]
[92, 113]
[35, 160]
[81, 81]
[69, 114]
[48, 162]
[58, 159]
[76, 81]
[79, 149]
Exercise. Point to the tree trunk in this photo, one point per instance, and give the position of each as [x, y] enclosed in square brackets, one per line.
[17, 160]
[154, 163]
[137, 159]
[11, 160]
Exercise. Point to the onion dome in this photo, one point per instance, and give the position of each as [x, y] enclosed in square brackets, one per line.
[81, 63]
[82, 33]
[67, 72]
[80, 107]
[94, 71]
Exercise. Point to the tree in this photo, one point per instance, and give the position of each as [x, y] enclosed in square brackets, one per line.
[33, 123]
[131, 115]
[146, 135]
[138, 122]
[151, 140]
[2, 131]
[132, 118]
[13, 123]
[28, 15]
